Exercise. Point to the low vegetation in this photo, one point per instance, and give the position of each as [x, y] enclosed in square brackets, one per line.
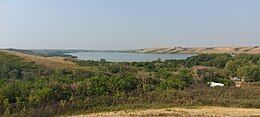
[31, 89]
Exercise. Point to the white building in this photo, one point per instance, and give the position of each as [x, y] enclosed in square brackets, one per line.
[214, 84]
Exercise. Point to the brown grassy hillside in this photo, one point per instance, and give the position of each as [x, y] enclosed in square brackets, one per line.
[195, 50]
[49, 62]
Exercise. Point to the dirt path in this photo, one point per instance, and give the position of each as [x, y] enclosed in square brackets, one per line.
[181, 112]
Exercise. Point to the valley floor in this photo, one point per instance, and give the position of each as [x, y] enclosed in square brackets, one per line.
[180, 112]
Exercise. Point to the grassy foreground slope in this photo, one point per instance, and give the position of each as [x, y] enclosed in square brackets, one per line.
[196, 50]
[48, 62]
[32, 88]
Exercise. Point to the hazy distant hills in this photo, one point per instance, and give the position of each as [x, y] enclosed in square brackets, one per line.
[246, 49]
[170, 50]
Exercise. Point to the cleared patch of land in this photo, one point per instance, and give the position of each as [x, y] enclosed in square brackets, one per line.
[181, 112]
[49, 62]
[195, 50]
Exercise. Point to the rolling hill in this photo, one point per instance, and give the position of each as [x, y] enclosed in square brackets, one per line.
[196, 50]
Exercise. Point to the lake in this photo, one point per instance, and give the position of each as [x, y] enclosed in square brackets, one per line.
[127, 56]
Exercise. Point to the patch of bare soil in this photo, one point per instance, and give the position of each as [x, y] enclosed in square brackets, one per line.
[181, 112]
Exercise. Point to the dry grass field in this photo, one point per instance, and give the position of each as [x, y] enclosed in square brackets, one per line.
[181, 112]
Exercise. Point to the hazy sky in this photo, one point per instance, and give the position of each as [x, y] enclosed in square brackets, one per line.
[128, 24]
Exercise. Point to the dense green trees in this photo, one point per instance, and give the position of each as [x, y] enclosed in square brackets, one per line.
[245, 66]
[233, 65]
[213, 60]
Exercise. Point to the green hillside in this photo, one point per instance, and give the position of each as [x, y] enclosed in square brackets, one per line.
[31, 88]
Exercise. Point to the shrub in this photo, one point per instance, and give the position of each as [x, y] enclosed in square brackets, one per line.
[249, 73]
[171, 83]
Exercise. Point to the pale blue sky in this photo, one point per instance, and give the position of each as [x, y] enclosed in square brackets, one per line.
[128, 24]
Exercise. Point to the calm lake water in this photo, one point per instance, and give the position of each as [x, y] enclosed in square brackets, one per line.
[127, 57]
